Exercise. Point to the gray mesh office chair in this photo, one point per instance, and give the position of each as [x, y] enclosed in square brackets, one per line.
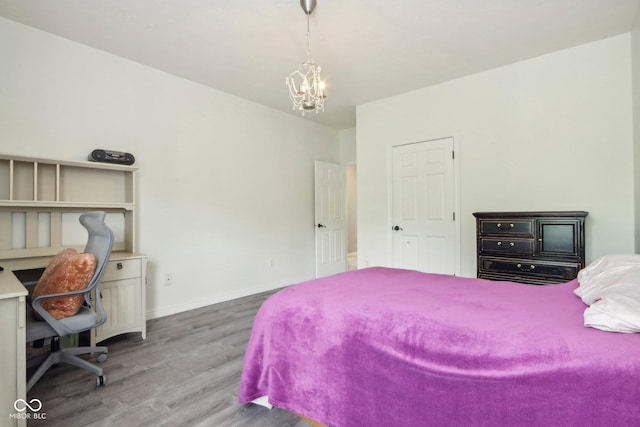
[99, 243]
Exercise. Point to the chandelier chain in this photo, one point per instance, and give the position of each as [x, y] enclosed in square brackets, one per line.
[308, 39]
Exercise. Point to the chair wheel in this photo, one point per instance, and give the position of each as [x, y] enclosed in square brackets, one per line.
[102, 357]
[101, 380]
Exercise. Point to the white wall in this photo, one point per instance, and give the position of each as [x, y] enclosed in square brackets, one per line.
[550, 133]
[352, 208]
[347, 139]
[225, 185]
[635, 68]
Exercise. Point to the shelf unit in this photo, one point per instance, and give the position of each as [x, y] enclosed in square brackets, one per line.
[33, 188]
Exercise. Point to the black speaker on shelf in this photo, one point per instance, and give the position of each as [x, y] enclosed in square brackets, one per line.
[107, 156]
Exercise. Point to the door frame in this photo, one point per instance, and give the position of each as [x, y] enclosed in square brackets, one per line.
[456, 198]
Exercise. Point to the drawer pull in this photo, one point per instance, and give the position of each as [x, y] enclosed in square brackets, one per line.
[119, 266]
[531, 267]
[511, 244]
[499, 225]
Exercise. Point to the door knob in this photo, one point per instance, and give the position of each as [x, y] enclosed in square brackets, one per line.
[397, 228]
[322, 226]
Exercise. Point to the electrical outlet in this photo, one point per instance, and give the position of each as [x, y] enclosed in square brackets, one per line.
[168, 279]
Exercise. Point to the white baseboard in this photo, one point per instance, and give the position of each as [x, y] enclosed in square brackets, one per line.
[213, 299]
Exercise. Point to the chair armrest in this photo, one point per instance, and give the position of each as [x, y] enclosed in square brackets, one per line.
[60, 294]
[60, 328]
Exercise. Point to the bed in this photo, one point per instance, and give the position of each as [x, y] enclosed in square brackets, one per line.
[391, 347]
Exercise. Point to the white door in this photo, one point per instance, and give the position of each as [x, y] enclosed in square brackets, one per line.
[331, 219]
[423, 206]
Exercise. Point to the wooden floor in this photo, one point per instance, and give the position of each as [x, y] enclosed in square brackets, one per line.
[186, 373]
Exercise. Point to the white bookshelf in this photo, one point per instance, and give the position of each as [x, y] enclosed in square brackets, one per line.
[36, 194]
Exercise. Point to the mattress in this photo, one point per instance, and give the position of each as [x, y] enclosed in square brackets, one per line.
[391, 347]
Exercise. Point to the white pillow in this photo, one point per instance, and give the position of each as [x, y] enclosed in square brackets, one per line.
[614, 313]
[611, 287]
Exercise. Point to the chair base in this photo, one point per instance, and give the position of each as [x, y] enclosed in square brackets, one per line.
[69, 356]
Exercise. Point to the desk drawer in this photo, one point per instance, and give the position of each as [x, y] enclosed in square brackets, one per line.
[122, 269]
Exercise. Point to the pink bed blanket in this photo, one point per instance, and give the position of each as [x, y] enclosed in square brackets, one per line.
[388, 347]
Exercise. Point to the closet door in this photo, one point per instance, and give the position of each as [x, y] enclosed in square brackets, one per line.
[423, 205]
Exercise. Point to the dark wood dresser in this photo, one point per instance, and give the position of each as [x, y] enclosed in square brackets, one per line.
[538, 248]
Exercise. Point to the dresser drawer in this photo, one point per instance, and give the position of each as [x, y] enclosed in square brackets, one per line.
[506, 246]
[529, 280]
[530, 268]
[513, 227]
[122, 269]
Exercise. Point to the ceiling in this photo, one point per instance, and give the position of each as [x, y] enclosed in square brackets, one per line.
[368, 49]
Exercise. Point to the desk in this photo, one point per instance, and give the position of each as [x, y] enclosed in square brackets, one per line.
[12, 347]
[123, 291]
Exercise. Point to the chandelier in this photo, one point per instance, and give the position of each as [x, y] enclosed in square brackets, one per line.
[306, 90]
